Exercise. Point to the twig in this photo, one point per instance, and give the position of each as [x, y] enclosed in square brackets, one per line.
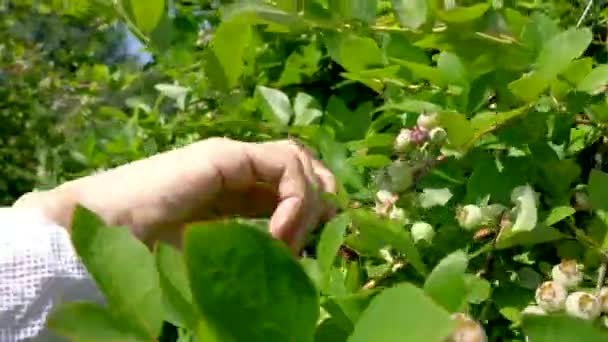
[585, 12]
[601, 275]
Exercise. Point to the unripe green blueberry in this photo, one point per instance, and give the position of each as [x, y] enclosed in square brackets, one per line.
[427, 121]
[470, 217]
[568, 273]
[438, 135]
[422, 231]
[467, 330]
[397, 214]
[551, 296]
[581, 200]
[583, 305]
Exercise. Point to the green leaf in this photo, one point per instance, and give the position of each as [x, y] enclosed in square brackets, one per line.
[176, 290]
[458, 127]
[330, 331]
[452, 69]
[540, 234]
[595, 81]
[364, 10]
[554, 58]
[478, 289]
[359, 53]
[147, 14]
[560, 328]
[329, 244]
[560, 50]
[411, 105]
[89, 322]
[380, 233]
[228, 47]
[248, 285]
[174, 92]
[346, 124]
[446, 283]
[411, 13]
[275, 105]
[434, 197]
[526, 208]
[557, 214]
[374, 161]
[403, 313]
[462, 14]
[598, 189]
[307, 110]
[123, 269]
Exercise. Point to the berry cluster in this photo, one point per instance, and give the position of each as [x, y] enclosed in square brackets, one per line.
[416, 147]
[562, 294]
[426, 131]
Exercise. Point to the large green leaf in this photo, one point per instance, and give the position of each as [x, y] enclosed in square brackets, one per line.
[275, 105]
[123, 269]
[147, 14]
[307, 110]
[446, 283]
[176, 290]
[248, 285]
[411, 13]
[554, 58]
[458, 127]
[560, 328]
[595, 81]
[463, 14]
[228, 47]
[598, 189]
[403, 313]
[364, 10]
[329, 244]
[358, 53]
[89, 322]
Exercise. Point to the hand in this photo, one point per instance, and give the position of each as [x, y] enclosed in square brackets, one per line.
[211, 179]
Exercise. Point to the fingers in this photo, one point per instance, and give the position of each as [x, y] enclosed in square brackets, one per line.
[298, 178]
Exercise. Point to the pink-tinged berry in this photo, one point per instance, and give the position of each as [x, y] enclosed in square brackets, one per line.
[470, 217]
[568, 273]
[467, 330]
[602, 297]
[418, 136]
[384, 202]
[551, 296]
[403, 141]
[583, 305]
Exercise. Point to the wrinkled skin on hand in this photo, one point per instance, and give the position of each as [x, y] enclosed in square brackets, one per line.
[211, 179]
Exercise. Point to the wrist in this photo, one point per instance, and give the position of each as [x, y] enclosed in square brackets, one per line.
[56, 204]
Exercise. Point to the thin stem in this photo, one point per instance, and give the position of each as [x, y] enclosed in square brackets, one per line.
[601, 276]
[130, 25]
[585, 12]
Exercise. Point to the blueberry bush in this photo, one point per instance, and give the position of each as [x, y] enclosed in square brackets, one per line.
[469, 140]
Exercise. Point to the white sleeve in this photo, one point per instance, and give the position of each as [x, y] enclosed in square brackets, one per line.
[38, 270]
